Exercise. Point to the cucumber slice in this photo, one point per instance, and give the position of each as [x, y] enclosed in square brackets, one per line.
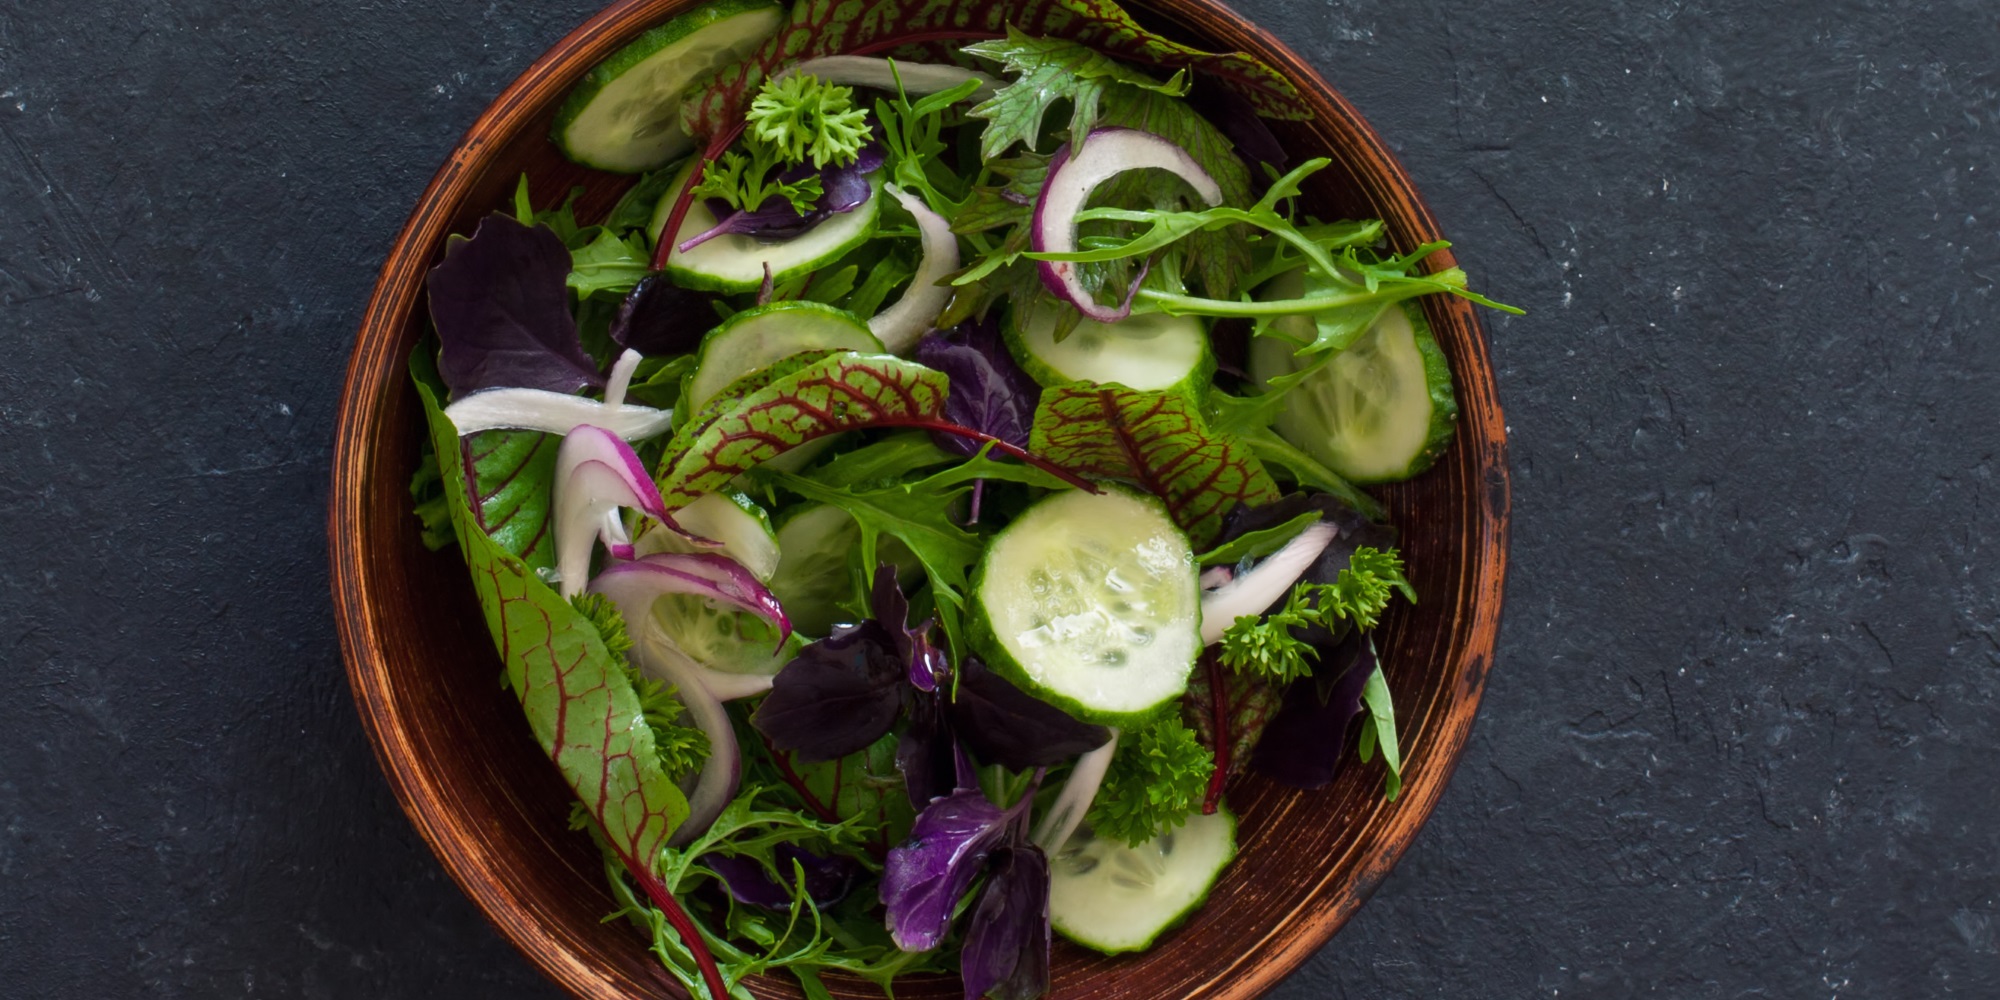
[812, 578]
[1380, 411]
[1150, 352]
[755, 337]
[626, 114]
[1089, 601]
[734, 520]
[1113, 898]
[735, 263]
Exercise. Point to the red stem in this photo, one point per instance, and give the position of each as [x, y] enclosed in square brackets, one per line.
[798, 784]
[1219, 712]
[1004, 447]
[671, 909]
[714, 149]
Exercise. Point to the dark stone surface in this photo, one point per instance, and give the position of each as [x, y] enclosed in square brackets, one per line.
[1742, 736]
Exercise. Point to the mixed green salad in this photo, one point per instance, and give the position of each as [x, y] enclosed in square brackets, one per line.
[934, 481]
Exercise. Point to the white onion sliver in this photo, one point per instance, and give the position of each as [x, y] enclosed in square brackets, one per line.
[621, 378]
[874, 71]
[1076, 172]
[554, 413]
[1254, 592]
[1065, 814]
[900, 326]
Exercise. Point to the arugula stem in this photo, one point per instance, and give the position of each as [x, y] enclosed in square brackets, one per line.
[683, 925]
[1196, 305]
[1004, 447]
[1219, 713]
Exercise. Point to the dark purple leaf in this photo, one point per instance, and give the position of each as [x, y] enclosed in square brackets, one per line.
[924, 752]
[837, 696]
[659, 318]
[1006, 953]
[842, 189]
[925, 875]
[927, 663]
[1005, 725]
[1306, 741]
[827, 880]
[501, 309]
[989, 391]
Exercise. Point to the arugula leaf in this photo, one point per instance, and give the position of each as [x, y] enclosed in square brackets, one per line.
[1157, 778]
[884, 461]
[1378, 727]
[861, 27]
[1156, 440]
[1261, 542]
[912, 133]
[1048, 70]
[609, 264]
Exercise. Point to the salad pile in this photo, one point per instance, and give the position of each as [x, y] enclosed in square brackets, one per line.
[907, 511]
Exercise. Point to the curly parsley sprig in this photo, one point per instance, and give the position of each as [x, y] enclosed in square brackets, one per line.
[1266, 646]
[1156, 779]
[793, 120]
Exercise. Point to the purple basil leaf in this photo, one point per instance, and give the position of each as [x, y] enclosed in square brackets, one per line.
[927, 663]
[837, 696]
[925, 875]
[842, 189]
[1238, 121]
[501, 309]
[989, 391]
[1005, 725]
[827, 879]
[925, 750]
[1306, 741]
[1006, 953]
[659, 318]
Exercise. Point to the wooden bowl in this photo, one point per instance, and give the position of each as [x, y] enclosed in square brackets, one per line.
[460, 757]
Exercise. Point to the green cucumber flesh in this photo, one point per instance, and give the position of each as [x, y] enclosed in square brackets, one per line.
[756, 337]
[737, 263]
[1148, 352]
[625, 114]
[1379, 411]
[1113, 898]
[733, 519]
[814, 547]
[1089, 601]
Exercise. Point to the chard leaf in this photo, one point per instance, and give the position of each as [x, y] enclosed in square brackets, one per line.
[861, 27]
[502, 312]
[579, 700]
[509, 473]
[1048, 70]
[834, 394]
[1156, 440]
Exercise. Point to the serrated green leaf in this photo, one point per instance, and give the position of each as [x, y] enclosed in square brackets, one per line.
[1047, 70]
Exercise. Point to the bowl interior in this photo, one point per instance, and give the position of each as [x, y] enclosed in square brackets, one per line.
[480, 791]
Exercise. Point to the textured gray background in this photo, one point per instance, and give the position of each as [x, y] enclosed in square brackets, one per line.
[1741, 739]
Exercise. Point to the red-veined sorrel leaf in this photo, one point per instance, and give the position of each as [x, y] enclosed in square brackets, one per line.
[509, 471]
[1228, 712]
[579, 701]
[1156, 440]
[864, 27]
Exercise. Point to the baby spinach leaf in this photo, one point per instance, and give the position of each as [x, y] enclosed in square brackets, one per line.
[1157, 441]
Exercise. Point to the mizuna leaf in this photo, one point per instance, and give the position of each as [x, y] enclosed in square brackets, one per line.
[1156, 440]
[835, 394]
[579, 701]
[862, 27]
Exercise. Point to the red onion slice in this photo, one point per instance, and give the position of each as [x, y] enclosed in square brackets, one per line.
[900, 326]
[1074, 173]
[596, 473]
[635, 585]
[1254, 592]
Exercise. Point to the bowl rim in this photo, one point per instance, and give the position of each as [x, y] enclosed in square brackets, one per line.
[376, 367]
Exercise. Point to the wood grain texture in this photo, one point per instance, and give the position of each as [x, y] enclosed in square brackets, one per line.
[479, 791]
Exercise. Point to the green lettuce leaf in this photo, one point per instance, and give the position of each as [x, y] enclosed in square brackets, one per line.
[1156, 440]
[863, 27]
